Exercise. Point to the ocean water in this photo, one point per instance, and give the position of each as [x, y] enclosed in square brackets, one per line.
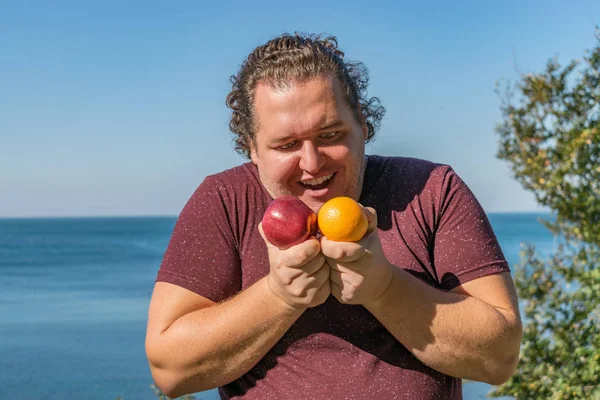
[74, 295]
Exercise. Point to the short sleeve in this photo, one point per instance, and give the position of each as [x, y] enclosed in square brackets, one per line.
[465, 246]
[202, 254]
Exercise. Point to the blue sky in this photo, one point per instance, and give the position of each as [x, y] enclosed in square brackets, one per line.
[117, 108]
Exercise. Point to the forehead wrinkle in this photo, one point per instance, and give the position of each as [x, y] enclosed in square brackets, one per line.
[296, 112]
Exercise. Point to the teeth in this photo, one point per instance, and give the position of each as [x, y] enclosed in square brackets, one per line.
[317, 180]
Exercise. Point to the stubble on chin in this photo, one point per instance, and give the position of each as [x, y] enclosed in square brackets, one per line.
[275, 191]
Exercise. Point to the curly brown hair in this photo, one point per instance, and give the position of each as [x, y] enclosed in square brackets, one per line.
[297, 57]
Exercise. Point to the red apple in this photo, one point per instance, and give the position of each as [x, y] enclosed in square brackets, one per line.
[288, 221]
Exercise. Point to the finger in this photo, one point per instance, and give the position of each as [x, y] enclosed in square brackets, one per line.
[343, 251]
[324, 291]
[315, 264]
[336, 265]
[336, 291]
[335, 276]
[372, 218]
[302, 253]
[322, 274]
[288, 275]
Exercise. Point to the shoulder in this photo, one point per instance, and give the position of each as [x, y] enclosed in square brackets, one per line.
[227, 188]
[239, 179]
[400, 163]
[402, 183]
[236, 177]
[406, 170]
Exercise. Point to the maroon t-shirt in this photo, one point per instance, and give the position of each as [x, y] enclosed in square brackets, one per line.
[430, 224]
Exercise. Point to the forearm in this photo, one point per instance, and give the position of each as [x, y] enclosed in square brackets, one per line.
[216, 345]
[452, 333]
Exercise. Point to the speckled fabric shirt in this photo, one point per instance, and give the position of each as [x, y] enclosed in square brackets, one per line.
[429, 223]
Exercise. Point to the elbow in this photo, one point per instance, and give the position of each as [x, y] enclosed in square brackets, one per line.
[175, 385]
[503, 369]
[506, 360]
[171, 383]
[170, 378]
[163, 379]
[166, 383]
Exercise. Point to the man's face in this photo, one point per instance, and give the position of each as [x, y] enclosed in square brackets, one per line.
[308, 143]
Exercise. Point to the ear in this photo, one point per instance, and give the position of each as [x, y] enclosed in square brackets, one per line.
[365, 129]
[253, 154]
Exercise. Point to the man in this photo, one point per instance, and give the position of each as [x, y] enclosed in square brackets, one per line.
[423, 300]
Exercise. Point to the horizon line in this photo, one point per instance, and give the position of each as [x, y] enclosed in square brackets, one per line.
[98, 216]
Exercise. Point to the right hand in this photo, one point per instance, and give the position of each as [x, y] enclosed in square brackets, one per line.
[298, 275]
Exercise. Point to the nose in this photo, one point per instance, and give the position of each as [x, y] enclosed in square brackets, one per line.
[311, 159]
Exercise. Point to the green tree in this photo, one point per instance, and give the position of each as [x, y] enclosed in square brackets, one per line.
[550, 136]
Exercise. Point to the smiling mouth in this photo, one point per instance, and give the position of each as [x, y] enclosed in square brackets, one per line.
[317, 183]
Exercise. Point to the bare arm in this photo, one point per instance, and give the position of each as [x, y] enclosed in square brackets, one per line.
[193, 344]
[473, 332]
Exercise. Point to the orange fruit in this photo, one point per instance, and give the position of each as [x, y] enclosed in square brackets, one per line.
[342, 219]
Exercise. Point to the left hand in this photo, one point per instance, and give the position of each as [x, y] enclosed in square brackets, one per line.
[360, 272]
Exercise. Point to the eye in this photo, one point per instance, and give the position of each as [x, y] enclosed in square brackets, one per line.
[330, 135]
[287, 146]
